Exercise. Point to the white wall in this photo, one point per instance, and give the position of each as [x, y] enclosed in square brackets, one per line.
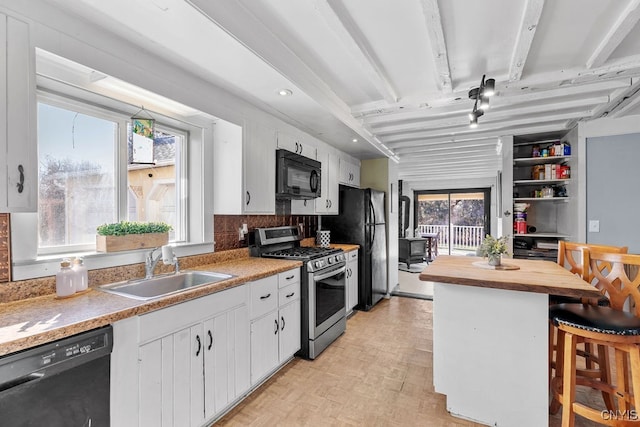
[593, 129]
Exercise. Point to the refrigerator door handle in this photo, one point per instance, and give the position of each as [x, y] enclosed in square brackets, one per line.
[372, 213]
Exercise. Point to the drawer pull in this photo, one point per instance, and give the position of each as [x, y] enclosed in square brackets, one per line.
[291, 294]
[265, 296]
[290, 277]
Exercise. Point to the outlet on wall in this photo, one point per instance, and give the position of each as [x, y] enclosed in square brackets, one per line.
[594, 226]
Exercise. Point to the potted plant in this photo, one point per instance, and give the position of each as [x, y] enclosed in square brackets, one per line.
[128, 235]
[492, 249]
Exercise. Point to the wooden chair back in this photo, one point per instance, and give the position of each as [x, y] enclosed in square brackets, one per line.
[572, 257]
[620, 282]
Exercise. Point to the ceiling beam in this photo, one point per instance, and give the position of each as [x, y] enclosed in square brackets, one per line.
[481, 135]
[626, 101]
[251, 32]
[617, 33]
[434, 148]
[528, 26]
[532, 88]
[342, 24]
[489, 125]
[461, 119]
[433, 23]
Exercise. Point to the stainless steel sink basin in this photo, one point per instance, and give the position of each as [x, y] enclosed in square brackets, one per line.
[159, 286]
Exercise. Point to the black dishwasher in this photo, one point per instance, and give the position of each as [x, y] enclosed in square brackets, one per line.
[63, 383]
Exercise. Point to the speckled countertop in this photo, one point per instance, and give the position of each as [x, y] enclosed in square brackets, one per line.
[34, 321]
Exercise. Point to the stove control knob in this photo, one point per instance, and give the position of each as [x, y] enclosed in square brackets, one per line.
[318, 264]
[330, 260]
[338, 258]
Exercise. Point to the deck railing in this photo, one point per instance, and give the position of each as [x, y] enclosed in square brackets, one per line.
[460, 236]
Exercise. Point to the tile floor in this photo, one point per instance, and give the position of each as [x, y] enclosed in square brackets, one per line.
[379, 373]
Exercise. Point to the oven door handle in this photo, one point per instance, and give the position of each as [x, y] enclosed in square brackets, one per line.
[330, 274]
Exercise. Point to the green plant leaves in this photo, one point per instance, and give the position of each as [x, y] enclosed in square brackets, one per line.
[128, 227]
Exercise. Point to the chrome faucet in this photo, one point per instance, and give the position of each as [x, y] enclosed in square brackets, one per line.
[167, 256]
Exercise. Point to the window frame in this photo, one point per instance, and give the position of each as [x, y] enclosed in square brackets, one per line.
[194, 187]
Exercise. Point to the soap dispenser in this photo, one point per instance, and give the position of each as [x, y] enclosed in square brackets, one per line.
[81, 278]
[65, 285]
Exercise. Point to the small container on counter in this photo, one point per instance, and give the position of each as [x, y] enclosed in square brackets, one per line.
[65, 285]
[81, 277]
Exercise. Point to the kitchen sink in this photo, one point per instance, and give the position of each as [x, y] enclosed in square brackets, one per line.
[159, 286]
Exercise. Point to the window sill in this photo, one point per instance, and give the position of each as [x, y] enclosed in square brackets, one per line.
[48, 265]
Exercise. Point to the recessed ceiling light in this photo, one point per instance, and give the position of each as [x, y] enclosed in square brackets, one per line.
[285, 92]
[354, 140]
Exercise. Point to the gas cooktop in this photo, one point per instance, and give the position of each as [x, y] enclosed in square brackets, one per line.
[301, 252]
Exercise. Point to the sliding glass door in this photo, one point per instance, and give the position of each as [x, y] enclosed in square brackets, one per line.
[459, 217]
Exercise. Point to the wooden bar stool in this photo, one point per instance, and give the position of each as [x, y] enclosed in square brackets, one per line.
[616, 326]
[571, 256]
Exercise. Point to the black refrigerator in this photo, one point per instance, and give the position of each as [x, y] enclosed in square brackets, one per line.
[362, 221]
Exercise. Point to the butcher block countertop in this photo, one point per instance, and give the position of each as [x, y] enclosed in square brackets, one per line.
[532, 276]
[34, 321]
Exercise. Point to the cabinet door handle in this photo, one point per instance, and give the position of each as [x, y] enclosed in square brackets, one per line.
[265, 296]
[282, 320]
[290, 295]
[330, 203]
[199, 345]
[20, 184]
[300, 148]
[248, 198]
[275, 331]
[210, 339]
[297, 147]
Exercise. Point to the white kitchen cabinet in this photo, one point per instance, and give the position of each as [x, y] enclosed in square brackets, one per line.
[244, 169]
[349, 172]
[18, 173]
[296, 145]
[328, 202]
[352, 280]
[193, 359]
[275, 322]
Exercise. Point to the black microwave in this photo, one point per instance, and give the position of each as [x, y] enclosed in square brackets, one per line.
[297, 177]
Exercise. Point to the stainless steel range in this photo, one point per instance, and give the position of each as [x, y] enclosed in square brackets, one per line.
[322, 284]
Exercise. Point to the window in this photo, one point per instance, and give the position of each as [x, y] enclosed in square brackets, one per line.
[87, 178]
[80, 184]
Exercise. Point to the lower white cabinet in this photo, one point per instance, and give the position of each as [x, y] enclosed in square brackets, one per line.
[190, 374]
[275, 323]
[352, 280]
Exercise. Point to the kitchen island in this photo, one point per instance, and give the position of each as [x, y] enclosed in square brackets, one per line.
[490, 336]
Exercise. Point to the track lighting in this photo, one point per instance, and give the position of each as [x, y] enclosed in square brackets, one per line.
[481, 96]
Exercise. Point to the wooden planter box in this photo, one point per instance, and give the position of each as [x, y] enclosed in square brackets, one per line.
[130, 242]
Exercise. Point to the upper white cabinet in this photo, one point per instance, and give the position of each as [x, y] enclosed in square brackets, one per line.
[18, 173]
[328, 202]
[244, 169]
[349, 172]
[296, 145]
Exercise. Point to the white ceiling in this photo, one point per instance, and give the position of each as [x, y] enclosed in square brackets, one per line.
[396, 74]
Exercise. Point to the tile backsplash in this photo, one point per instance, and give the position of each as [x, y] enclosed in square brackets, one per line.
[5, 258]
[226, 227]
[226, 232]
